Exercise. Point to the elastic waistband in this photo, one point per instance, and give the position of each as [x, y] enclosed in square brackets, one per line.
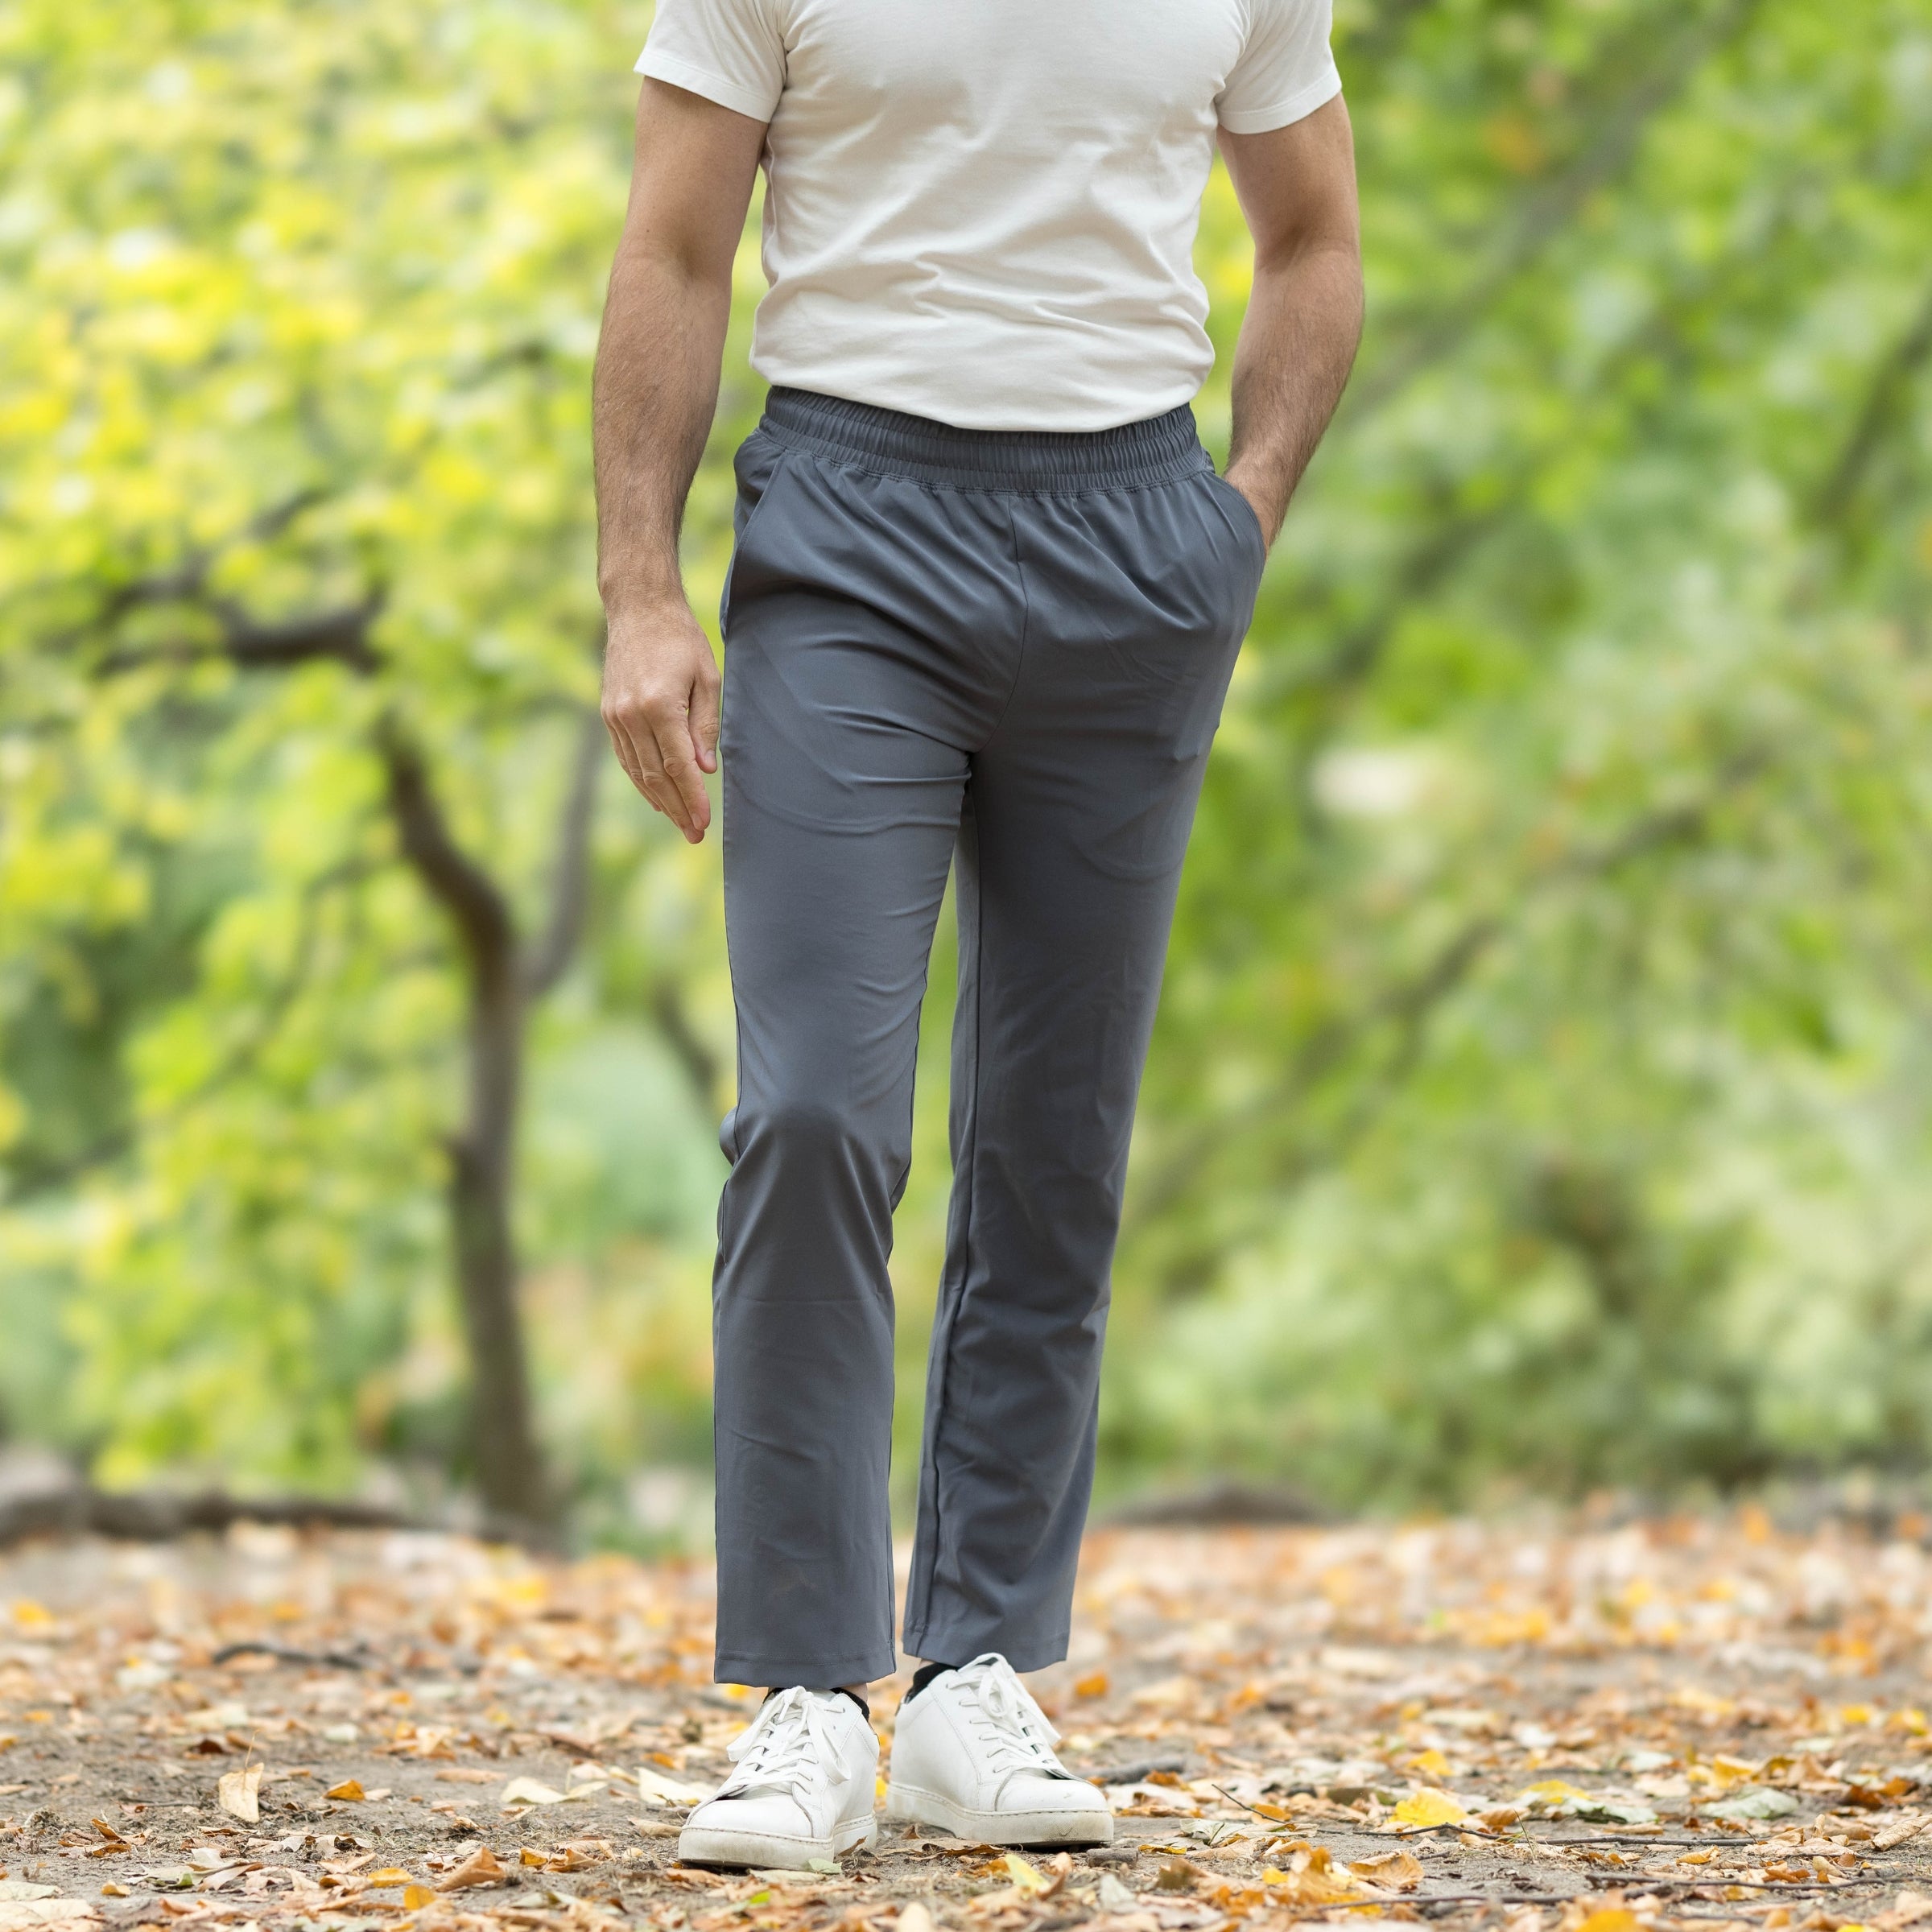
[1163, 449]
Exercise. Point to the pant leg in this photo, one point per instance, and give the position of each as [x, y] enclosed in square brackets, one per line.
[1079, 811]
[864, 656]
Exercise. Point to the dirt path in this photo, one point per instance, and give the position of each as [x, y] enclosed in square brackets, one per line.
[1677, 1722]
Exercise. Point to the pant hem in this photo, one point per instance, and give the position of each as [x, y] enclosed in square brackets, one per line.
[960, 1650]
[816, 1674]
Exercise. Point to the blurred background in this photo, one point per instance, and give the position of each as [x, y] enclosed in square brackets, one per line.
[1542, 1101]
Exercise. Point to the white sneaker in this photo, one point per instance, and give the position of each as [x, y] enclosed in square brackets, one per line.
[973, 1754]
[808, 1770]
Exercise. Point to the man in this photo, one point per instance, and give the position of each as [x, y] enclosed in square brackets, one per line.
[984, 600]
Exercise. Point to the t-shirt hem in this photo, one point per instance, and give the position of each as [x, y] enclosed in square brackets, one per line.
[698, 80]
[1283, 113]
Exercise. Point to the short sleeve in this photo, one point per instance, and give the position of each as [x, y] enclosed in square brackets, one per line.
[731, 52]
[1285, 70]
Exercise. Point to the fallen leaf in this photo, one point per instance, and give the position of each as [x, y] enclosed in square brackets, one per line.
[1398, 1871]
[390, 1875]
[238, 1793]
[1429, 1806]
[1549, 1791]
[1760, 1801]
[1029, 1878]
[416, 1895]
[481, 1867]
[1613, 1919]
[349, 1791]
[467, 1775]
[527, 1791]
[655, 1788]
[1094, 1684]
[914, 1918]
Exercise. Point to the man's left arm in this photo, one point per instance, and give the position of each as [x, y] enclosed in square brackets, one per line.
[1296, 186]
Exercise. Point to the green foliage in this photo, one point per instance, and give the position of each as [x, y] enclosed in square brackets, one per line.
[1537, 1098]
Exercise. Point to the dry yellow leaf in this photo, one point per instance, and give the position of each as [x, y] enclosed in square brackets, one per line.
[1614, 1919]
[1094, 1684]
[1397, 1871]
[1429, 1806]
[481, 1867]
[528, 1857]
[349, 1791]
[1431, 1763]
[1029, 1878]
[1310, 1887]
[467, 1775]
[111, 1890]
[415, 1896]
[528, 1791]
[655, 1788]
[390, 1875]
[238, 1793]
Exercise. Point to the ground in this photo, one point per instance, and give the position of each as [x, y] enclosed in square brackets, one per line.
[1558, 1729]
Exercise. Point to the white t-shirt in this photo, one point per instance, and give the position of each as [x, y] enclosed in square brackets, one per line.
[983, 212]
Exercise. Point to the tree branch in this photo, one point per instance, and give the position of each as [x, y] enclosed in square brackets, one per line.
[189, 577]
[570, 877]
[1411, 1003]
[1547, 211]
[699, 1063]
[477, 907]
[238, 1060]
[1881, 412]
[341, 634]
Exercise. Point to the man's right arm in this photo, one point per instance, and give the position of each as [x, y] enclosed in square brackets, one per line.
[656, 390]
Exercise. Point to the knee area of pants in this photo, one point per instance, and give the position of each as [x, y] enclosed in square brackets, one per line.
[816, 1132]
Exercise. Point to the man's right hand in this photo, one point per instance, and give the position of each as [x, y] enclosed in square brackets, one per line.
[655, 392]
[661, 708]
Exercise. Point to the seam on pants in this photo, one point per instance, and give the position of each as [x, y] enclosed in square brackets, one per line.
[1019, 668]
[936, 1422]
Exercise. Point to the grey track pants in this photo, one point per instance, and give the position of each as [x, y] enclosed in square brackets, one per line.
[1004, 653]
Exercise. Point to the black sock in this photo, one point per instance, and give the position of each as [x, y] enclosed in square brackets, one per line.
[923, 1676]
[840, 1689]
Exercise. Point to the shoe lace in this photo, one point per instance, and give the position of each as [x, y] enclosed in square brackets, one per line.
[1012, 1730]
[790, 1747]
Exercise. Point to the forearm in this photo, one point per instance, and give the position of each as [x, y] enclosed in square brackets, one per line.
[1297, 346]
[655, 390]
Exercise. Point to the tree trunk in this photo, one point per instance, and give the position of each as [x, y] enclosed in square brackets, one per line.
[508, 1463]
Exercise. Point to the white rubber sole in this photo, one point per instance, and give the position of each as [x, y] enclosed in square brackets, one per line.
[719, 1845]
[909, 1805]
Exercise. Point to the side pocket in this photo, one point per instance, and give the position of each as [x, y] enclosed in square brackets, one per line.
[760, 459]
[1242, 511]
